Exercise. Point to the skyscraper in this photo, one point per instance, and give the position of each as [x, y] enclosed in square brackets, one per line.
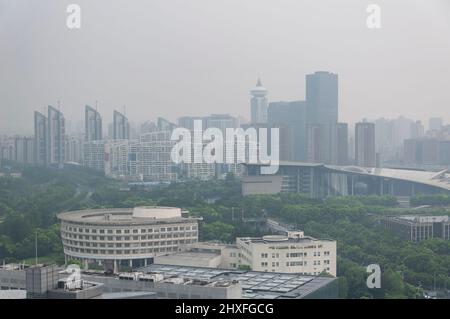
[93, 124]
[322, 97]
[321, 112]
[339, 144]
[121, 127]
[259, 103]
[40, 138]
[56, 134]
[365, 144]
[290, 117]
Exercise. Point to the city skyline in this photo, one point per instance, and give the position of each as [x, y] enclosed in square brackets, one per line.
[383, 74]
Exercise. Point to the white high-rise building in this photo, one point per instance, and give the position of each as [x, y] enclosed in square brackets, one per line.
[259, 103]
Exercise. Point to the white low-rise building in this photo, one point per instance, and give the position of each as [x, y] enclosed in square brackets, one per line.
[290, 253]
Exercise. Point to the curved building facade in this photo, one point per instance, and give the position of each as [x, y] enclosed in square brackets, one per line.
[125, 237]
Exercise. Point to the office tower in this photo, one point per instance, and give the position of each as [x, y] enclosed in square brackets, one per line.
[291, 116]
[93, 124]
[417, 129]
[121, 127]
[322, 110]
[315, 149]
[365, 153]
[24, 150]
[435, 124]
[56, 134]
[259, 103]
[322, 97]
[412, 151]
[40, 139]
[339, 144]
[430, 149]
[365, 144]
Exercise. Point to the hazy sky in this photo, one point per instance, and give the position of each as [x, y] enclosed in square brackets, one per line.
[195, 57]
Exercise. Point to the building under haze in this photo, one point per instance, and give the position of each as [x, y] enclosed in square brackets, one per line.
[339, 144]
[24, 149]
[40, 138]
[121, 126]
[290, 117]
[321, 113]
[56, 137]
[365, 154]
[93, 124]
[258, 103]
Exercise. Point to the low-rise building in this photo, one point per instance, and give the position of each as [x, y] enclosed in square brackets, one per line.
[290, 253]
[418, 228]
[129, 237]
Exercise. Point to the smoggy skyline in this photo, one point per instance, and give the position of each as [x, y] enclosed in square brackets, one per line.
[173, 58]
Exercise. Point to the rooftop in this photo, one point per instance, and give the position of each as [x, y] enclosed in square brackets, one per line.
[255, 284]
[120, 216]
[423, 219]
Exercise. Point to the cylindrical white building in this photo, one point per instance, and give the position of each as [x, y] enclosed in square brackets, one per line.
[127, 237]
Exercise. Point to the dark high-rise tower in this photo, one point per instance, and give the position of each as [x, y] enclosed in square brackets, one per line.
[322, 97]
[93, 124]
[290, 117]
[322, 113]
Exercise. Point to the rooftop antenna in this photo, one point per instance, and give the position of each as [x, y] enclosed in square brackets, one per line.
[96, 105]
[124, 110]
[59, 105]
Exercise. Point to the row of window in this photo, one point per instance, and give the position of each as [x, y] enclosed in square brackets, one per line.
[294, 263]
[128, 238]
[295, 255]
[122, 252]
[129, 231]
[127, 245]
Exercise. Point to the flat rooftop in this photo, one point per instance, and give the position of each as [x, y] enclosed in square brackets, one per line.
[255, 284]
[186, 257]
[423, 219]
[125, 216]
[279, 240]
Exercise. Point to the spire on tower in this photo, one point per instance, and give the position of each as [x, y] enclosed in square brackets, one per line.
[259, 82]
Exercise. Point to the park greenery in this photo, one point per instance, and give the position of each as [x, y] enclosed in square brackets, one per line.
[28, 208]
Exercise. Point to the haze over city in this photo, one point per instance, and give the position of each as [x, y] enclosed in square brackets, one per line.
[175, 58]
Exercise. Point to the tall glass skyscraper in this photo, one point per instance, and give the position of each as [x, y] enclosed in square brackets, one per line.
[322, 114]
